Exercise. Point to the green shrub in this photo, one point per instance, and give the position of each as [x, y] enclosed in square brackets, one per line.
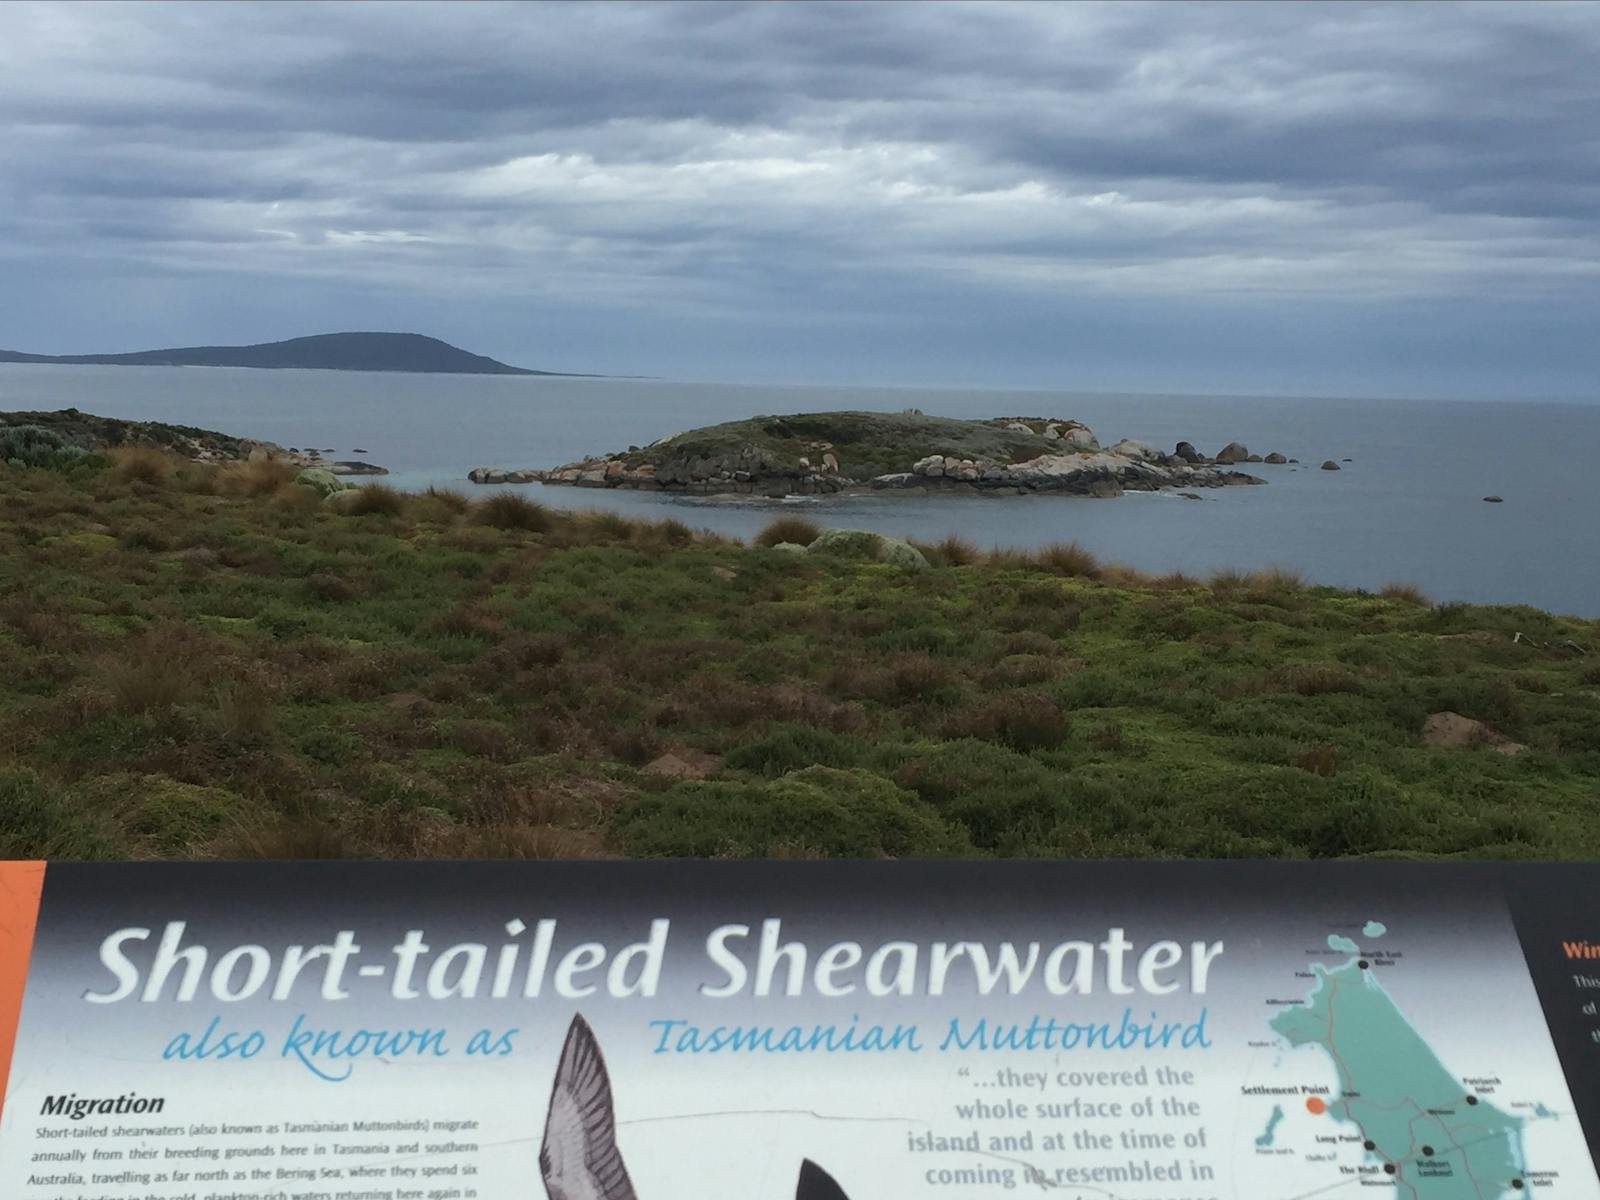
[38, 821]
[36, 446]
[818, 811]
[1023, 721]
[1364, 813]
[161, 816]
[790, 747]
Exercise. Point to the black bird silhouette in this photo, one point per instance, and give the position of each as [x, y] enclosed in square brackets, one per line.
[817, 1184]
[580, 1160]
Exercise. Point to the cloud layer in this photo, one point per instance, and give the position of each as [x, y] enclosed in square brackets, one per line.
[772, 184]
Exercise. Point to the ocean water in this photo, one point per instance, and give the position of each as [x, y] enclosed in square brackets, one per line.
[1408, 507]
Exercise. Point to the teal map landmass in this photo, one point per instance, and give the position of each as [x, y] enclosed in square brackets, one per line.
[1270, 1133]
[1420, 1125]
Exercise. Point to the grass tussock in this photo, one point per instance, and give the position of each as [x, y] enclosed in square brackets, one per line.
[247, 479]
[208, 662]
[1406, 593]
[802, 531]
[372, 499]
[951, 551]
[141, 464]
[511, 510]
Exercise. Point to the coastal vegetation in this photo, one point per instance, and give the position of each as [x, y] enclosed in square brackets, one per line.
[217, 660]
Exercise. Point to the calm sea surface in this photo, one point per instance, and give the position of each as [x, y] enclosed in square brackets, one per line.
[1408, 507]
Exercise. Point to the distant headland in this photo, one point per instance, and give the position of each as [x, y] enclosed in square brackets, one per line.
[323, 352]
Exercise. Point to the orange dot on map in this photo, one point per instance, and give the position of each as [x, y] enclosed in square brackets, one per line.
[1316, 1106]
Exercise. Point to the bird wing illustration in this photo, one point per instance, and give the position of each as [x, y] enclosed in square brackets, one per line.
[579, 1159]
[817, 1184]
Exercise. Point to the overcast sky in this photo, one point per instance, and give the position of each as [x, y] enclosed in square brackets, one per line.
[1378, 199]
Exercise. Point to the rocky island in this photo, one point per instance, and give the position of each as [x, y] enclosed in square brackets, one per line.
[833, 452]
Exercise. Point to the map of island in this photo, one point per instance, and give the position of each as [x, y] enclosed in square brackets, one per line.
[1269, 1135]
[1420, 1125]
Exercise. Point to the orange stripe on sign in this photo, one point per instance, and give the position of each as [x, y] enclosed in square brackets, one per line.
[21, 884]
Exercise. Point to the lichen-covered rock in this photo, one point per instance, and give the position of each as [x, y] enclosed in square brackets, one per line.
[1131, 448]
[1080, 437]
[321, 480]
[864, 543]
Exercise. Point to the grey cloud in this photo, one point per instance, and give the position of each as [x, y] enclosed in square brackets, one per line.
[729, 157]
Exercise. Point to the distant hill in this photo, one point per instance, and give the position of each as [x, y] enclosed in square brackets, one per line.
[323, 352]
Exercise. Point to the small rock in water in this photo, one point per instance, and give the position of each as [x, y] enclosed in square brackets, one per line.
[1275, 458]
[1234, 452]
[1330, 465]
[359, 450]
[1493, 500]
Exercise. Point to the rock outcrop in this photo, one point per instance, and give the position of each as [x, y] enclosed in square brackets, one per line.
[1454, 731]
[320, 480]
[863, 543]
[1125, 467]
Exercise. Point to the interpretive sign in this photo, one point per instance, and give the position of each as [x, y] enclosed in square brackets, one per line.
[743, 1031]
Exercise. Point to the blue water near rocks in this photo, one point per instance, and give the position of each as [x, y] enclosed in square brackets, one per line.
[1407, 507]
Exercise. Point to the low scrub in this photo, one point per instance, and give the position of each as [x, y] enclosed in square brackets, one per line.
[206, 662]
[817, 812]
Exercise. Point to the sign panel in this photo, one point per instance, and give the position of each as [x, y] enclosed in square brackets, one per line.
[877, 1031]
